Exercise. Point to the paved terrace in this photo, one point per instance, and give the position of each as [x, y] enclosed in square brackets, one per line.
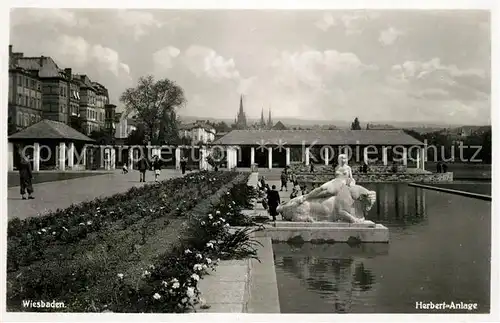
[61, 194]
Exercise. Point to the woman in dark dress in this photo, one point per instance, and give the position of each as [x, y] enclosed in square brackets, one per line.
[143, 166]
[25, 177]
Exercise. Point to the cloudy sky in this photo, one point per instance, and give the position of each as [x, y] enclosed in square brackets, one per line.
[429, 66]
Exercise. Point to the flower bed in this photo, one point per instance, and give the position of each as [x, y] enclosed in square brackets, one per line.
[94, 281]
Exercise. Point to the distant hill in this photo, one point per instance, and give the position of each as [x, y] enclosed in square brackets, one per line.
[341, 124]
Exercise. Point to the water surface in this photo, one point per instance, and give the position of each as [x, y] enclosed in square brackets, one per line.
[439, 251]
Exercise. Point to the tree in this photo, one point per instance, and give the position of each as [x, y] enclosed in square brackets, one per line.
[154, 104]
[355, 125]
[102, 137]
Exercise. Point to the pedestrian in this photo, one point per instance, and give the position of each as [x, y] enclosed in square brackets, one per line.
[263, 181]
[284, 180]
[296, 191]
[183, 165]
[312, 167]
[439, 167]
[273, 200]
[156, 167]
[444, 168]
[143, 166]
[124, 169]
[26, 176]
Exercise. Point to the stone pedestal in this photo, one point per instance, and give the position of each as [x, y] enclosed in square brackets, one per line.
[252, 156]
[307, 156]
[287, 152]
[270, 157]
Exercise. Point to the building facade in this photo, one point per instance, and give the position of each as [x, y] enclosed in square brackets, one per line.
[39, 89]
[197, 132]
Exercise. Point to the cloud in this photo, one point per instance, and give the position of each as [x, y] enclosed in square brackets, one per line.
[139, 21]
[354, 22]
[163, 58]
[316, 68]
[53, 17]
[326, 22]
[389, 36]
[77, 52]
[434, 80]
[204, 61]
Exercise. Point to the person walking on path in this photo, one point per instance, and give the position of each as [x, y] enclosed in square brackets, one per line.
[25, 177]
[439, 167]
[143, 166]
[284, 180]
[444, 168]
[273, 200]
[183, 165]
[157, 167]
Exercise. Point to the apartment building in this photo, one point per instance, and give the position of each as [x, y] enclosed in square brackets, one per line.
[197, 132]
[39, 89]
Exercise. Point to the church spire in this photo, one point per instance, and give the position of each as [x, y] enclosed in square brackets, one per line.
[269, 121]
[262, 120]
[241, 104]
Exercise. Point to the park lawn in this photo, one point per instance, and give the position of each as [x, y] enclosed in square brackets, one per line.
[132, 229]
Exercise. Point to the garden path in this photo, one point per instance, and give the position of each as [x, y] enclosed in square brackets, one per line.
[50, 196]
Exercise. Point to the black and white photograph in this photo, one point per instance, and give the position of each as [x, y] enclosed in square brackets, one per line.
[201, 159]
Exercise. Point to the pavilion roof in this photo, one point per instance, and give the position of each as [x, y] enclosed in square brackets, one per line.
[49, 129]
[318, 137]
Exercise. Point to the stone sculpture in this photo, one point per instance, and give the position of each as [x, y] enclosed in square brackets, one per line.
[338, 200]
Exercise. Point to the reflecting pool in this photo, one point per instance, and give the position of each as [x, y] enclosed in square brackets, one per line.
[439, 251]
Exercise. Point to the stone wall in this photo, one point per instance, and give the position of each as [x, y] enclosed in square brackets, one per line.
[328, 169]
[380, 177]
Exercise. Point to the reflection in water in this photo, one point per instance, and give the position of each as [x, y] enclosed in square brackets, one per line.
[336, 279]
[393, 204]
[438, 241]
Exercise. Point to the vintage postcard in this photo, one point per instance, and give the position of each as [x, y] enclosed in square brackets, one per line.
[249, 159]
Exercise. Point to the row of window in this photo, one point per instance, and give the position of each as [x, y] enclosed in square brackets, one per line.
[26, 101]
[28, 82]
[27, 119]
[95, 115]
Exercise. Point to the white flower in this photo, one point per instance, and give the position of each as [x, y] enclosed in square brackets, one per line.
[205, 267]
[233, 202]
[209, 261]
[164, 283]
[210, 245]
[44, 230]
[222, 219]
[89, 222]
[227, 193]
[81, 223]
[156, 296]
[190, 292]
[120, 276]
[146, 273]
[151, 267]
[195, 277]
[226, 225]
[65, 229]
[197, 267]
[217, 212]
[210, 216]
[176, 285]
[202, 222]
[218, 259]
[184, 300]
[53, 233]
[39, 232]
[199, 256]
[187, 251]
